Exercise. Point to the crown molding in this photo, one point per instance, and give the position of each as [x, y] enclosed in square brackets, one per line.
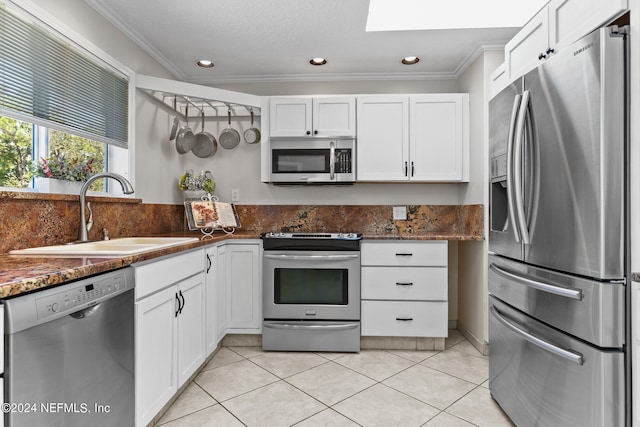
[475, 54]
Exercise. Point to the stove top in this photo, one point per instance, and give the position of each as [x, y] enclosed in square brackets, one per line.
[314, 236]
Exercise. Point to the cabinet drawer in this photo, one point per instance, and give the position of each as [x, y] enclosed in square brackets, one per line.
[404, 283]
[400, 253]
[158, 274]
[404, 318]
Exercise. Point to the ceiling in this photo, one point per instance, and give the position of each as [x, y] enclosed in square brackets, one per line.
[273, 40]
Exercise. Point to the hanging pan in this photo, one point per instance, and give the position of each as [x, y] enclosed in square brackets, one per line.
[229, 138]
[205, 144]
[176, 123]
[185, 138]
[252, 135]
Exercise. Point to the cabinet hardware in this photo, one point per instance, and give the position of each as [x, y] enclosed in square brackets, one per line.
[210, 263]
[550, 50]
[404, 254]
[315, 132]
[406, 169]
[178, 309]
[308, 132]
[413, 169]
[404, 283]
[404, 319]
[181, 296]
[542, 56]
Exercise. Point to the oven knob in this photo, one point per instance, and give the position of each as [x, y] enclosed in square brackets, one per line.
[55, 307]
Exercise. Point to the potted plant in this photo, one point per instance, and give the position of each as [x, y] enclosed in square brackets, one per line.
[196, 185]
[59, 173]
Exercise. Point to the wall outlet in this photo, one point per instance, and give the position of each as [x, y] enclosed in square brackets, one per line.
[399, 212]
[235, 194]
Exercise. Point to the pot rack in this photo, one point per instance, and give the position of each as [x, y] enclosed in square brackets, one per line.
[215, 103]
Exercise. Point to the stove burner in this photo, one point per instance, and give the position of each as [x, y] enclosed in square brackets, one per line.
[322, 236]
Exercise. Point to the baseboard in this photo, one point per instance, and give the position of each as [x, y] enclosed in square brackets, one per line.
[480, 345]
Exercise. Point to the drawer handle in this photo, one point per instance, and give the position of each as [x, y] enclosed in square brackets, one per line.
[404, 254]
[404, 283]
[404, 319]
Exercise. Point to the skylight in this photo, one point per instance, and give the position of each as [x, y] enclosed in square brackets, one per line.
[402, 15]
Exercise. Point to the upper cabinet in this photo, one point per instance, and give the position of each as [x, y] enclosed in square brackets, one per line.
[321, 116]
[556, 26]
[413, 138]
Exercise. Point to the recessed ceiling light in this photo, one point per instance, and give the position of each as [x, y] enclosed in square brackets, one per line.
[205, 63]
[410, 60]
[318, 61]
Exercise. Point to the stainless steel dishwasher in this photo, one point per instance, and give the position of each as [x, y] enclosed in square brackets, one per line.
[69, 354]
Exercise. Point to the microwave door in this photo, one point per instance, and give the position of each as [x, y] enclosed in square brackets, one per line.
[504, 236]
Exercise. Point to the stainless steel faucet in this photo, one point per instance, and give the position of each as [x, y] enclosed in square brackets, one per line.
[127, 188]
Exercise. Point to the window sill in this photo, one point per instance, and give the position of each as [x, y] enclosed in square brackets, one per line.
[33, 195]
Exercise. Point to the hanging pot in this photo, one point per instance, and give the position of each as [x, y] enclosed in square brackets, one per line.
[205, 144]
[252, 135]
[229, 138]
[176, 123]
[185, 138]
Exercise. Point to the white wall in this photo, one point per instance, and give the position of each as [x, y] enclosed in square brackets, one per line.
[472, 256]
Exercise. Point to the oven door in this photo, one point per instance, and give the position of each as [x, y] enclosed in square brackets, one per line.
[311, 285]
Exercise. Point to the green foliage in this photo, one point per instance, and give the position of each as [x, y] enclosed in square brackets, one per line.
[16, 167]
[69, 157]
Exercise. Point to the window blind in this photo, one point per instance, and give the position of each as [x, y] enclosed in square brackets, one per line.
[45, 78]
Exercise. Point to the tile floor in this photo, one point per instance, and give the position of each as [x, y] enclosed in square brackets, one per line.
[244, 386]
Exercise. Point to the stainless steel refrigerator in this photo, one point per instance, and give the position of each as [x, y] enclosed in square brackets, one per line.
[558, 262]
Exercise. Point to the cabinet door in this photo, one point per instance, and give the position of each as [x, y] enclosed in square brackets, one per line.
[222, 293]
[191, 326]
[243, 286]
[290, 116]
[156, 353]
[570, 20]
[437, 136]
[211, 306]
[522, 51]
[334, 116]
[635, 350]
[383, 138]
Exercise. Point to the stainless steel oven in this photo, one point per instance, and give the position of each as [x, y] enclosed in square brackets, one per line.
[311, 292]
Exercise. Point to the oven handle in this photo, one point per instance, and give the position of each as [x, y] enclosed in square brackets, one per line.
[312, 257]
[339, 327]
[570, 355]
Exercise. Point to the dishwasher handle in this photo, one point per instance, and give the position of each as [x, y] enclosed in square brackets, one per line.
[85, 312]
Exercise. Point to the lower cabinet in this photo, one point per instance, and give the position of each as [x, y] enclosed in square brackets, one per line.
[243, 287]
[170, 329]
[211, 296]
[404, 288]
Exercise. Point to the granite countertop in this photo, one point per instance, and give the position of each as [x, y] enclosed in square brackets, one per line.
[22, 274]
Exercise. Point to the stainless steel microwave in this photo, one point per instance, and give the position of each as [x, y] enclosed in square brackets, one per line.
[313, 160]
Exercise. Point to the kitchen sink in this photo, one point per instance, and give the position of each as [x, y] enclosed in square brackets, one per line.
[115, 247]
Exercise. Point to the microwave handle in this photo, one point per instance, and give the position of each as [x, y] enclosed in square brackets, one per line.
[332, 160]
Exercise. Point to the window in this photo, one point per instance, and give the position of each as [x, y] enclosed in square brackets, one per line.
[59, 97]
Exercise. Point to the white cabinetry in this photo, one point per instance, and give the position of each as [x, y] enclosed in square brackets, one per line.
[404, 288]
[556, 26]
[221, 275]
[170, 328]
[413, 138]
[321, 116]
[211, 292]
[243, 311]
[635, 351]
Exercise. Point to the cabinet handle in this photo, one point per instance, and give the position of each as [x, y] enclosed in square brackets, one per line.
[178, 309]
[550, 50]
[404, 254]
[308, 132]
[404, 319]
[542, 56]
[181, 296]
[315, 132]
[413, 169]
[404, 283]
[210, 263]
[406, 170]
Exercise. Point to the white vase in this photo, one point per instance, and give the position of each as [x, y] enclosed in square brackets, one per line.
[59, 186]
[191, 195]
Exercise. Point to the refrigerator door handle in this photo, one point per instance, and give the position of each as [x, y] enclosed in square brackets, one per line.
[517, 168]
[510, 183]
[570, 355]
[541, 286]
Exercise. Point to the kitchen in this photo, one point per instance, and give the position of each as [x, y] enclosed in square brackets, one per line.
[470, 298]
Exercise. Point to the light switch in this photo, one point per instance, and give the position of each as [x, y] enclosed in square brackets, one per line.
[235, 194]
[399, 212]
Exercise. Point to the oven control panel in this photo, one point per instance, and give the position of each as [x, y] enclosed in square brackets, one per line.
[85, 294]
[328, 236]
